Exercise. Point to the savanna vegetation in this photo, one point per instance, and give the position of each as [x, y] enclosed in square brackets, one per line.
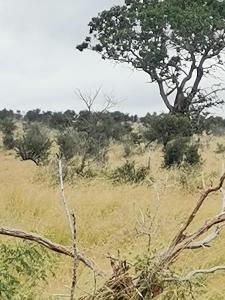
[130, 197]
[108, 205]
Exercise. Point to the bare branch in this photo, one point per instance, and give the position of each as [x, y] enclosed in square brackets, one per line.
[193, 273]
[88, 100]
[179, 236]
[75, 259]
[212, 236]
[67, 211]
[205, 242]
[50, 245]
[163, 95]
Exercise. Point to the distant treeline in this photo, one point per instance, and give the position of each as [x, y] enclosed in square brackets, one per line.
[70, 118]
[89, 134]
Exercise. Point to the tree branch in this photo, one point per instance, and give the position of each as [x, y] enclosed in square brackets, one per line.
[193, 273]
[51, 246]
[179, 236]
[211, 237]
[163, 95]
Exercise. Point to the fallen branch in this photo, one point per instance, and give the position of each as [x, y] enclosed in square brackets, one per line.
[212, 236]
[206, 241]
[193, 273]
[75, 259]
[179, 237]
[51, 246]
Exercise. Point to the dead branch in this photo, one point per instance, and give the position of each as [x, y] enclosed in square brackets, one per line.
[150, 280]
[51, 246]
[180, 234]
[65, 205]
[212, 236]
[88, 100]
[206, 241]
[193, 273]
[75, 259]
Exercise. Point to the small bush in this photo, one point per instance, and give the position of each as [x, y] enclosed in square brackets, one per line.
[34, 145]
[69, 142]
[174, 152]
[179, 151]
[128, 173]
[8, 141]
[192, 156]
[24, 268]
[167, 127]
[8, 127]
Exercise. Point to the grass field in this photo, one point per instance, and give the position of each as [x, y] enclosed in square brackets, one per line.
[107, 215]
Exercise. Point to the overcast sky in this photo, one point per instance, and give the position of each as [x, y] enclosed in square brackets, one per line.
[40, 67]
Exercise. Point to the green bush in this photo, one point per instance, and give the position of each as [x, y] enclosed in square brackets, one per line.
[69, 143]
[179, 151]
[192, 156]
[8, 127]
[24, 268]
[129, 173]
[8, 141]
[34, 144]
[167, 127]
[174, 152]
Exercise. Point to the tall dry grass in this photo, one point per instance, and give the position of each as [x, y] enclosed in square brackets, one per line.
[107, 215]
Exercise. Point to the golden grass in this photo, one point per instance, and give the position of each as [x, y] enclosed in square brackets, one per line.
[107, 215]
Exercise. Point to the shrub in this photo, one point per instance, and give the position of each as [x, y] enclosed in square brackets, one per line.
[34, 144]
[69, 143]
[167, 127]
[8, 127]
[23, 267]
[8, 141]
[179, 151]
[174, 152]
[192, 156]
[128, 173]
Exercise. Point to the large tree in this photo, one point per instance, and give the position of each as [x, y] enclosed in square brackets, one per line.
[177, 43]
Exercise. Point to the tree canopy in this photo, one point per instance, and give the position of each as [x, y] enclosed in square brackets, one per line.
[177, 43]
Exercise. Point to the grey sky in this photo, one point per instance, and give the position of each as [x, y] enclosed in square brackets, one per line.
[39, 66]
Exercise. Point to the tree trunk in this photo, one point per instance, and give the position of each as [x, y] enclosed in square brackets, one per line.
[181, 104]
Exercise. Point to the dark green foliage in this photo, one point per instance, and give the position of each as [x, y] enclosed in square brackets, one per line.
[214, 125]
[192, 156]
[33, 115]
[9, 114]
[8, 141]
[172, 43]
[24, 268]
[165, 127]
[69, 143]
[7, 126]
[129, 173]
[34, 144]
[180, 151]
[57, 120]
[174, 152]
